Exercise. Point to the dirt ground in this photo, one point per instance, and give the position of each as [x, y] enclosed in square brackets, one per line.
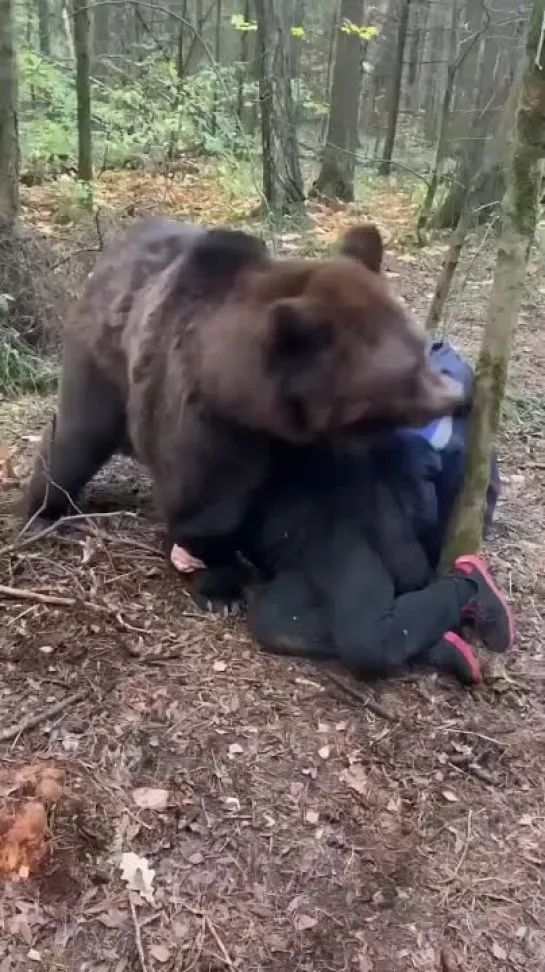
[289, 825]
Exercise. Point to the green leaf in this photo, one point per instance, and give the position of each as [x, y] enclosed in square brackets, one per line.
[298, 32]
[363, 32]
[239, 22]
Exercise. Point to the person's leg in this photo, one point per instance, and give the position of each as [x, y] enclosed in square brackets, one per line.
[376, 633]
[286, 618]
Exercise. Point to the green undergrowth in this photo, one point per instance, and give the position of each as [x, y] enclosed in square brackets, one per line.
[21, 370]
[524, 414]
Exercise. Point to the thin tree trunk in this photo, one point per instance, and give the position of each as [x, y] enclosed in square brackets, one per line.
[102, 33]
[282, 177]
[328, 73]
[9, 127]
[68, 29]
[217, 59]
[452, 258]
[243, 66]
[388, 151]
[520, 215]
[442, 142]
[83, 90]
[336, 177]
[44, 36]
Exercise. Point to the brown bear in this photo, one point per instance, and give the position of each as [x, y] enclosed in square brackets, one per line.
[195, 350]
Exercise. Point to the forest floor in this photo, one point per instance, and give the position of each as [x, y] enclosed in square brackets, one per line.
[288, 825]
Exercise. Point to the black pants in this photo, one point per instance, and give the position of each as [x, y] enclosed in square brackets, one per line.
[352, 613]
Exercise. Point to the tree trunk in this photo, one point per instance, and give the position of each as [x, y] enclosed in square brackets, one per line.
[83, 90]
[195, 52]
[388, 151]
[442, 142]
[282, 177]
[9, 128]
[68, 33]
[520, 214]
[243, 65]
[328, 73]
[336, 177]
[44, 36]
[182, 28]
[450, 263]
[217, 60]
[102, 31]
[493, 98]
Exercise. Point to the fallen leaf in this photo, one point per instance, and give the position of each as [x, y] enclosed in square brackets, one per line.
[235, 749]
[304, 922]
[151, 798]
[499, 952]
[363, 962]
[324, 752]
[137, 875]
[356, 778]
[160, 952]
[312, 817]
[34, 956]
[219, 666]
[450, 796]
[23, 844]
[113, 918]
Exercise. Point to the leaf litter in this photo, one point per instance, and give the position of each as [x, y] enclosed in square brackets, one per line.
[391, 872]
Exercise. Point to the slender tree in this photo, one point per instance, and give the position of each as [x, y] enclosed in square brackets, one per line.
[519, 220]
[395, 96]
[9, 137]
[442, 141]
[336, 177]
[83, 89]
[44, 35]
[282, 177]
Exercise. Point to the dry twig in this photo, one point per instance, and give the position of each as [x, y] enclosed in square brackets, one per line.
[30, 722]
[137, 934]
[365, 700]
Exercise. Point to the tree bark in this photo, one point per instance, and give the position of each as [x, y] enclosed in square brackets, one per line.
[83, 89]
[520, 214]
[388, 151]
[282, 177]
[336, 177]
[9, 127]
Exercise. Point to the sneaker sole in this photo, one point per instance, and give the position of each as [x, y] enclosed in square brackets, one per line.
[467, 653]
[477, 564]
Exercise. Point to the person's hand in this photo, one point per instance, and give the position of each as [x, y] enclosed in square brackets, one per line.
[183, 561]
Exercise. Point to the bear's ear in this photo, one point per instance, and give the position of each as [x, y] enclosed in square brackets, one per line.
[294, 338]
[364, 243]
[220, 254]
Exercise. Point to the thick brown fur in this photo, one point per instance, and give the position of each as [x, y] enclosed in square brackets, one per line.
[198, 349]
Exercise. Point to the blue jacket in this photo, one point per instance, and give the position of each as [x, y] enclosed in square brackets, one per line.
[436, 455]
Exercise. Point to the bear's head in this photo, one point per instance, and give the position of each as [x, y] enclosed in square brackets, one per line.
[344, 352]
[304, 348]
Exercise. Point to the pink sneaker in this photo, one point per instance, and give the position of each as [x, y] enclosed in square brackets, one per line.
[455, 656]
[488, 611]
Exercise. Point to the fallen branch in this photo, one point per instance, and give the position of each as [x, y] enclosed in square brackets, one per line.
[369, 703]
[137, 934]
[22, 594]
[30, 722]
[199, 913]
[19, 544]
